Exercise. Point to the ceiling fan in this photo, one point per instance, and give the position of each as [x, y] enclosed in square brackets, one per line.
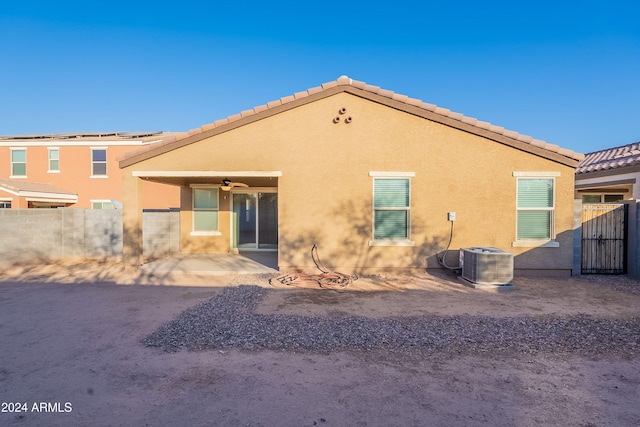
[227, 184]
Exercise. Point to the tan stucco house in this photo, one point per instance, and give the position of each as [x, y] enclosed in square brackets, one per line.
[370, 176]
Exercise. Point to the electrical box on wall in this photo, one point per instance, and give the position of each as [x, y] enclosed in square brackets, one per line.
[451, 216]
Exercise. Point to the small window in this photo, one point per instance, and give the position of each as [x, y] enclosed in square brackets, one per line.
[591, 198]
[18, 162]
[101, 204]
[98, 162]
[613, 198]
[391, 208]
[535, 208]
[205, 210]
[54, 160]
[5, 205]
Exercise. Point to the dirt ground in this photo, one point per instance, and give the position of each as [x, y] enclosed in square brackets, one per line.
[71, 354]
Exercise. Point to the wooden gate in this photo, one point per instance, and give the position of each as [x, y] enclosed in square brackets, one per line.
[604, 239]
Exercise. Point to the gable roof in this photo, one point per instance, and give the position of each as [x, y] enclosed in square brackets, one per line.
[610, 158]
[373, 93]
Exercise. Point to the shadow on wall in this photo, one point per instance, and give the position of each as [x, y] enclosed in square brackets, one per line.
[534, 261]
[43, 235]
[343, 244]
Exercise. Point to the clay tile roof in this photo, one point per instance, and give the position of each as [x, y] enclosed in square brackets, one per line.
[344, 83]
[610, 158]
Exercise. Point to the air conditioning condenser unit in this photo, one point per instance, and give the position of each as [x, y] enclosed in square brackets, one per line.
[486, 265]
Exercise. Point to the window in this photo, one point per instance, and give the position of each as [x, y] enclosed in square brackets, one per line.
[602, 198]
[99, 162]
[5, 204]
[391, 210]
[613, 198]
[591, 198]
[205, 210]
[54, 160]
[101, 204]
[18, 162]
[535, 209]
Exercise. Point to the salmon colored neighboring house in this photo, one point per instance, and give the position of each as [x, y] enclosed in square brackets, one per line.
[73, 170]
[379, 181]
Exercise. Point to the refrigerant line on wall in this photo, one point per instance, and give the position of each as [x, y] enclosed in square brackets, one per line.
[441, 256]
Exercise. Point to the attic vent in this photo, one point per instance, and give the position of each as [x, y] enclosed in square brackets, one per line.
[486, 265]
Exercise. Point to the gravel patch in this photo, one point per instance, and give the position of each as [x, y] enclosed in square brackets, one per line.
[228, 321]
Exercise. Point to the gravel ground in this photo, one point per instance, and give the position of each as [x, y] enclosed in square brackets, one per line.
[228, 321]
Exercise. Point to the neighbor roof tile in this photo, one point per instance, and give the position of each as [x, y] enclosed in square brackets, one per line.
[610, 158]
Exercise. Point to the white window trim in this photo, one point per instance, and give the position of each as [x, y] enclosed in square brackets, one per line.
[49, 170]
[391, 242]
[193, 219]
[537, 243]
[536, 174]
[106, 163]
[11, 150]
[380, 174]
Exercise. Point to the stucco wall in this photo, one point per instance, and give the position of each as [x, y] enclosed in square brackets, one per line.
[325, 191]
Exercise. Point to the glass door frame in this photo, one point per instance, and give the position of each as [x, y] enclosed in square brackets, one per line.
[249, 190]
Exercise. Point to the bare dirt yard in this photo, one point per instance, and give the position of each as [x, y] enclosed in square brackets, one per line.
[86, 343]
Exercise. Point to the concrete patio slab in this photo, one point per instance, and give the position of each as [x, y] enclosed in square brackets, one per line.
[215, 264]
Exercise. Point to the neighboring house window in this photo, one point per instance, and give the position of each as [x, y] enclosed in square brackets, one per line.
[591, 198]
[205, 210]
[98, 162]
[18, 162]
[391, 208]
[535, 209]
[600, 198]
[613, 198]
[5, 205]
[101, 204]
[54, 160]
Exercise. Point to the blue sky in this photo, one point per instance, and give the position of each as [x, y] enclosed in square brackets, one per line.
[564, 72]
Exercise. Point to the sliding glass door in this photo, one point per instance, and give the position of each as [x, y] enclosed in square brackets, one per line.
[255, 219]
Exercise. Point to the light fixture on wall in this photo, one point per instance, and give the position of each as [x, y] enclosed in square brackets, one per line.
[227, 184]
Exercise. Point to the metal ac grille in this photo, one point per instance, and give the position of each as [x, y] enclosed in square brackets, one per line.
[485, 265]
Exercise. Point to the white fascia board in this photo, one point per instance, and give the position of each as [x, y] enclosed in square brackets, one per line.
[30, 195]
[200, 174]
[50, 200]
[6, 190]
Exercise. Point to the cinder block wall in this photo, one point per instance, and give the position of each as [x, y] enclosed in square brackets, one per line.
[42, 235]
[160, 233]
